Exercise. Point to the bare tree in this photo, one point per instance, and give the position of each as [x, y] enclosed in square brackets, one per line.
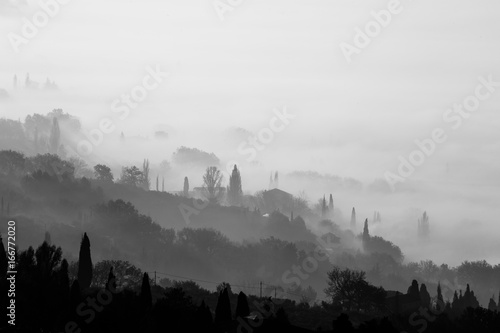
[212, 180]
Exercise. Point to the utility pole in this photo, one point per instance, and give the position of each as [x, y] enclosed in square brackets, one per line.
[155, 278]
[274, 292]
[260, 289]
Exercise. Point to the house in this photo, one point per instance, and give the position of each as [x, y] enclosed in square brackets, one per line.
[277, 199]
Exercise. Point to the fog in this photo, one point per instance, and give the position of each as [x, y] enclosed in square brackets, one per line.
[227, 78]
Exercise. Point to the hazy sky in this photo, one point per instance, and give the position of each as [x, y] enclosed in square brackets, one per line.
[353, 119]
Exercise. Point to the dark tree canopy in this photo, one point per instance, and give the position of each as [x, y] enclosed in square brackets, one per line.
[85, 263]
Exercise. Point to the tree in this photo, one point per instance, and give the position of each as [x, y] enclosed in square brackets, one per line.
[353, 219]
[223, 308]
[413, 289]
[131, 176]
[440, 299]
[51, 164]
[424, 226]
[276, 180]
[185, 191]
[11, 162]
[145, 181]
[212, 180]
[366, 233]
[145, 296]
[111, 283]
[492, 305]
[85, 263]
[127, 275]
[242, 309]
[3, 259]
[55, 137]
[350, 289]
[330, 205]
[425, 298]
[103, 173]
[324, 208]
[234, 191]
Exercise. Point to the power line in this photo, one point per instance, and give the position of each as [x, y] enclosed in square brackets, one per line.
[259, 286]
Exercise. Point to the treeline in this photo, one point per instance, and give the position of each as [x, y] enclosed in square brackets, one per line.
[116, 296]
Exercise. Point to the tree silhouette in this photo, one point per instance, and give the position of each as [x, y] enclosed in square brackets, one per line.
[111, 284]
[330, 205]
[440, 295]
[353, 219]
[145, 181]
[425, 298]
[366, 233]
[324, 208]
[212, 180]
[424, 226]
[131, 176]
[145, 296]
[223, 308]
[185, 191]
[234, 190]
[75, 296]
[103, 173]
[242, 309]
[492, 305]
[350, 289]
[3, 259]
[85, 264]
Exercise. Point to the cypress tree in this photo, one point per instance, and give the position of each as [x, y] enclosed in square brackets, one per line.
[146, 298]
[111, 284]
[242, 309]
[63, 282]
[186, 187]
[353, 219]
[492, 306]
[366, 233]
[223, 308]
[85, 264]
[425, 298]
[75, 296]
[323, 208]
[234, 190]
[413, 289]
[440, 300]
